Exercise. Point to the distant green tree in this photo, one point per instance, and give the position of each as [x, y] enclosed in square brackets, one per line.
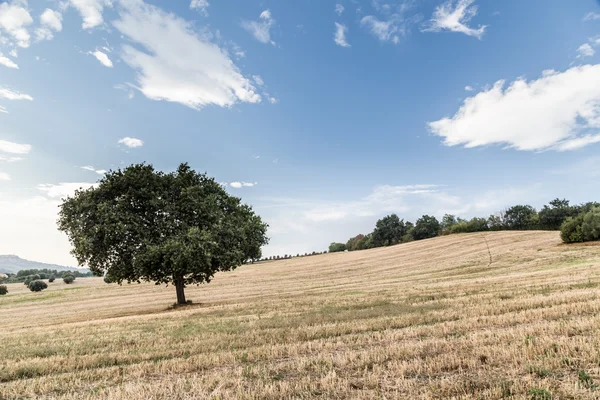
[31, 278]
[591, 225]
[336, 247]
[3, 290]
[179, 228]
[388, 231]
[352, 243]
[555, 213]
[448, 221]
[51, 278]
[497, 222]
[521, 217]
[37, 286]
[426, 227]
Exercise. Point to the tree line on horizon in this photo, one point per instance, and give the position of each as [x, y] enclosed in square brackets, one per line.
[577, 223]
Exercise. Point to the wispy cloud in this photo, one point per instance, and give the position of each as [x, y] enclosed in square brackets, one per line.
[201, 6]
[339, 9]
[9, 94]
[239, 185]
[102, 57]
[7, 62]
[131, 142]
[261, 29]
[448, 17]
[340, 35]
[92, 169]
[585, 50]
[591, 16]
[14, 148]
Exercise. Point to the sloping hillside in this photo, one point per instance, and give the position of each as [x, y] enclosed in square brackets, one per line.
[13, 264]
[465, 316]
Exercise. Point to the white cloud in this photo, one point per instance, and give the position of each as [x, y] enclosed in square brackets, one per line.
[63, 189]
[14, 148]
[10, 159]
[273, 100]
[4, 176]
[591, 16]
[7, 62]
[585, 50]
[238, 185]
[261, 29]
[339, 9]
[560, 110]
[340, 35]
[258, 80]
[179, 65]
[131, 142]
[50, 21]
[382, 30]
[3, 110]
[446, 17]
[12, 95]
[126, 88]
[102, 57]
[469, 88]
[92, 169]
[13, 20]
[91, 11]
[200, 5]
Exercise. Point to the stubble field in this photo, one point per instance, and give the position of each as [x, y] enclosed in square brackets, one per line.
[482, 316]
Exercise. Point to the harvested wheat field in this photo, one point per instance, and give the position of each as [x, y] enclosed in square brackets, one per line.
[433, 319]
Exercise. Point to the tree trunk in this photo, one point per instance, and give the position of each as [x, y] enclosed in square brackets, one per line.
[179, 287]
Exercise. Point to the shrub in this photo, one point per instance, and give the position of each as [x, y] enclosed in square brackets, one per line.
[107, 279]
[37, 286]
[591, 225]
[3, 290]
[336, 247]
[68, 278]
[571, 231]
[52, 278]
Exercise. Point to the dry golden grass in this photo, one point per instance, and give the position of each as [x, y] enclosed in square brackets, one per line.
[424, 320]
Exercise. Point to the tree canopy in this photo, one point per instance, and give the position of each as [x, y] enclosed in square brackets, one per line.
[140, 224]
[388, 231]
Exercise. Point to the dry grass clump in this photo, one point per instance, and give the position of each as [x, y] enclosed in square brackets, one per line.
[425, 320]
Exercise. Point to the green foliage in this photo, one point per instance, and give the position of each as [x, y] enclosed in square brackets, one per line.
[336, 247]
[497, 222]
[521, 218]
[37, 286]
[31, 278]
[51, 278]
[448, 221]
[68, 278]
[555, 213]
[426, 227]
[107, 279]
[3, 290]
[591, 225]
[353, 243]
[539, 394]
[179, 228]
[388, 231]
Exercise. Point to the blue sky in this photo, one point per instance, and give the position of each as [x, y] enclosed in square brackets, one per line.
[324, 115]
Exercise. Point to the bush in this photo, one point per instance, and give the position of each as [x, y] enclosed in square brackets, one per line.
[37, 286]
[31, 278]
[571, 231]
[107, 279]
[51, 279]
[591, 225]
[337, 247]
[3, 290]
[68, 278]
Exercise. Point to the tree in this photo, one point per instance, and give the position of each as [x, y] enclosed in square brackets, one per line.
[352, 243]
[426, 227]
[3, 290]
[521, 217]
[553, 215]
[448, 221]
[571, 230]
[591, 225]
[336, 247]
[68, 278]
[388, 231]
[178, 228]
[37, 286]
[51, 278]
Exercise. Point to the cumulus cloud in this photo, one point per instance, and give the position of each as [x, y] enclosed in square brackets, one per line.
[448, 17]
[258, 80]
[469, 88]
[7, 62]
[585, 50]
[174, 63]
[560, 111]
[261, 29]
[131, 142]
[13, 20]
[51, 21]
[9, 94]
[92, 169]
[91, 11]
[339, 9]
[14, 148]
[200, 5]
[340, 35]
[102, 57]
[239, 185]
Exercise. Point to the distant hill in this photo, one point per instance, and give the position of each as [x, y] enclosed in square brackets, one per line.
[13, 264]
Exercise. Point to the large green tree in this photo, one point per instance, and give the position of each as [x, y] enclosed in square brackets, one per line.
[521, 217]
[426, 227]
[179, 228]
[388, 231]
